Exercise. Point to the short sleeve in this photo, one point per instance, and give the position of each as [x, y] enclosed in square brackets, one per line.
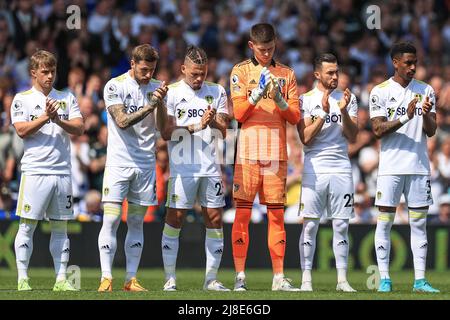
[377, 105]
[222, 104]
[74, 110]
[304, 108]
[353, 106]
[19, 112]
[113, 94]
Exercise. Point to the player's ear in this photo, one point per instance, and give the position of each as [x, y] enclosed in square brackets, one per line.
[317, 75]
[251, 45]
[183, 69]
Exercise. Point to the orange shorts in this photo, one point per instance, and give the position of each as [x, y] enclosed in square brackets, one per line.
[266, 178]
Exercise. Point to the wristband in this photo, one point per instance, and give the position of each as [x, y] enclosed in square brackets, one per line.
[404, 119]
[322, 114]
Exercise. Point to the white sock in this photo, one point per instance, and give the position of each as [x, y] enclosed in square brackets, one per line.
[23, 246]
[241, 275]
[134, 241]
[306, 275]
[214, 251]
[383, 242]
[341, 247]
[277, 276]
[59, 248]
[107, 240]
[169, 248]
[419, 243]
[307, 243]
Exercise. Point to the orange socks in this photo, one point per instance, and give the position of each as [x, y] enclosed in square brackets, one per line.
[239, 234]
[277, 236]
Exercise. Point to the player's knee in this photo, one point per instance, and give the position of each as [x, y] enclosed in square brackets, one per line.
[340, 226]
[387, 209]
[174, 218]
[215, 222]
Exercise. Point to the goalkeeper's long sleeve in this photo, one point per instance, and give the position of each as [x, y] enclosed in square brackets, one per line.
[242, 108]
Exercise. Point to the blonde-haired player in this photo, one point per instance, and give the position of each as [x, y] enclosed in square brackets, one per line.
[44, 117]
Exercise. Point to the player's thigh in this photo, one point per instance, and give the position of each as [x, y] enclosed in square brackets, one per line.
[418, 191]
[340, 198]
[211, 192]
[246, 181]
[116, 183]
[61, 206]
[182, 192]
[35, 193]
[273, 187]
[313, 197]
[142, 189]
[389, 190]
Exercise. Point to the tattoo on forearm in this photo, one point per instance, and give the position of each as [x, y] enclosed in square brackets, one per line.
[382, 127]
[221, 119]
[125, 120]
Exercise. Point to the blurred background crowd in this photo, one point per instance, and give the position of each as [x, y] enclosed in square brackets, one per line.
[99, 50]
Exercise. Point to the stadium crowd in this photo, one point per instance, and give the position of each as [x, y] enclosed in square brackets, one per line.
[89, 56]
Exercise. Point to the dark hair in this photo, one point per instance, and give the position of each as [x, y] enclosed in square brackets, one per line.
[144, 52]
[262, 33]
[196, 55]
[324, 57]
[400, 48]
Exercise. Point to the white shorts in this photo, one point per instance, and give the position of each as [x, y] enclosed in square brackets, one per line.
[45, 196]
[136, 184]
[327, 193]
[416, 188]
[183, 191]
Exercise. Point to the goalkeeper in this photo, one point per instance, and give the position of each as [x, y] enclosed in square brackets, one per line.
[264, 95]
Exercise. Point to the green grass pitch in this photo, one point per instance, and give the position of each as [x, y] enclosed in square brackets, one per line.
[190, 281]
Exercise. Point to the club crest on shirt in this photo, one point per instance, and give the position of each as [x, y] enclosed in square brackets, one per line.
[209, 99]
[62, 105]
[418, 96]
[282, 82]
[234, 79]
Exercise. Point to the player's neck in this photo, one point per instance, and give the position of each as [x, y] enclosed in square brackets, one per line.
[264, 64]
[131, 74]
[45, 91]
[321, 87]
[404, 83]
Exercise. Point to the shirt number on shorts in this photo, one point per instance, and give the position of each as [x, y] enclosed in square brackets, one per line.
[349, 198]
[219, 188]
[69, 202]
[428, 186]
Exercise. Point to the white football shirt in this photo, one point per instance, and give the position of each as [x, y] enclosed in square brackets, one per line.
[48, 150]
[328, 151]
[194, 155]
[405, 150]
[135, 145]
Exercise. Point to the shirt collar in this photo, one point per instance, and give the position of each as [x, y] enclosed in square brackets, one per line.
[255, 62]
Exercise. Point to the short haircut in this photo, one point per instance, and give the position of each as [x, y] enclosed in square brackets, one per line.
[324, 57]
[42, 58]
[196, 55]
[262, 33]
[144, 52]
[400, 48]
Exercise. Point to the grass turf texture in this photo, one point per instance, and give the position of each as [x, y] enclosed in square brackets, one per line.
[190, 282]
